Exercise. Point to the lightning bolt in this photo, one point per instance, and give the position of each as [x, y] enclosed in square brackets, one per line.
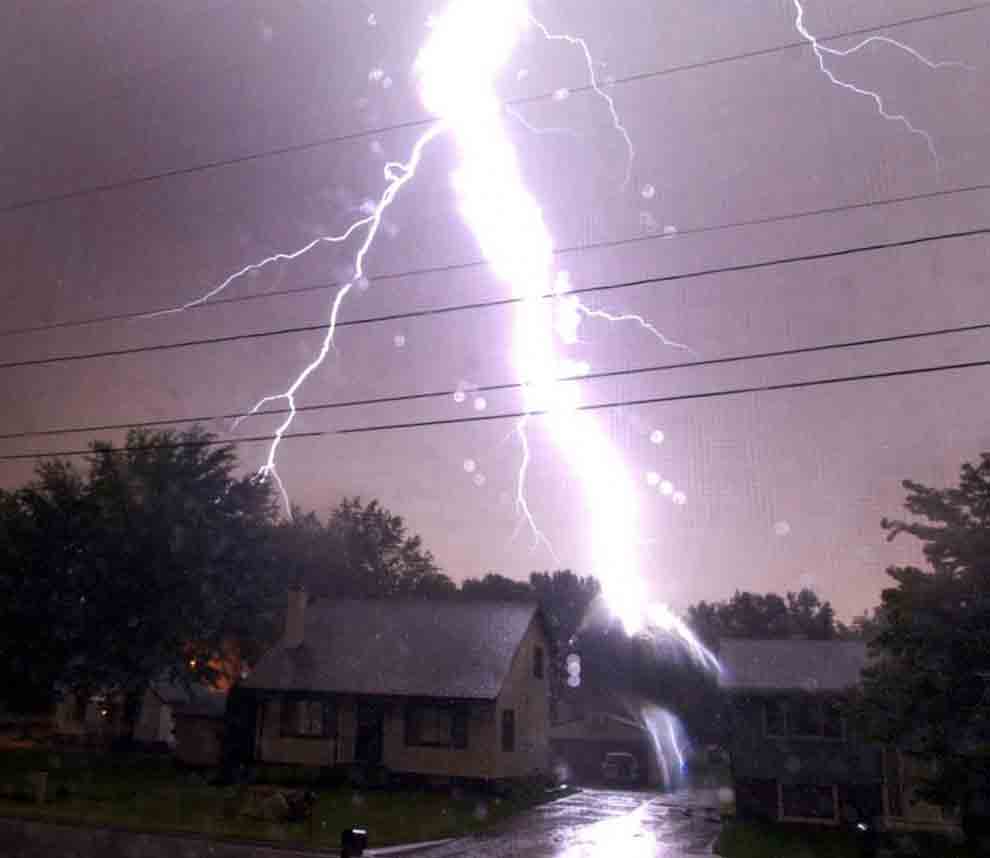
[397, 175]
[821, 51]
[617, 123]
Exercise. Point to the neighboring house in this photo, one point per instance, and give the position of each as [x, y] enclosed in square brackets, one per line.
[436, 688]
[794, 755]
[591, 727]
[100, 718]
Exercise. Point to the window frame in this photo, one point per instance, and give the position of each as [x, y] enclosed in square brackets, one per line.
[460, 717]
[328, 718]
[823, 706]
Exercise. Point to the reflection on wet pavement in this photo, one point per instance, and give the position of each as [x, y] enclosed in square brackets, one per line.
[596, 823]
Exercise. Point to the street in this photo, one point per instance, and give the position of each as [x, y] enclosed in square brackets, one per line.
[596, 823]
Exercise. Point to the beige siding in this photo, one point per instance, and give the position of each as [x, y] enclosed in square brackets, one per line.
[529, 698]
[474, 761]
[275, 748]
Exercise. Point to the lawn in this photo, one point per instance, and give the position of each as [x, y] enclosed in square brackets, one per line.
[148, 794]
[751, 840]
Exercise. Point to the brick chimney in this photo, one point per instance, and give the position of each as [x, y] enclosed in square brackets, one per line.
[295, 616]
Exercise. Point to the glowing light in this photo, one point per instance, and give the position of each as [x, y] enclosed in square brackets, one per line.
[656, 436]
[664, 727]
[661, 619]
[821, 51]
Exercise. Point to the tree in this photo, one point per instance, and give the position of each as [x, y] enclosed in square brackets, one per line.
[929, 690]
[751, 615]
[497, 588]
[363, 551]
[142, 566]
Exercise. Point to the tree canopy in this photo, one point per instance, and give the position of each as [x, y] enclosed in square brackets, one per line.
[929, 690]
[134, 567]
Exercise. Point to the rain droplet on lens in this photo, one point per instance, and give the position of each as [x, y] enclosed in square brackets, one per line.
[470, 465]
[656, 436]
[459, 396]
[561, 94]
[480, 403]
[399, 340]
[679, 498]
[479, 480]
[652, 478]
[648, 192]
[387, 82]
[666, 488]
[376, 74]
[372, 20]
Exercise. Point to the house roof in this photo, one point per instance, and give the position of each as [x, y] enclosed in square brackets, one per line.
[407, 648]
[791, 665]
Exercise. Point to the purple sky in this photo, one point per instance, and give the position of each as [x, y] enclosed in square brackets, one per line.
[784, 489]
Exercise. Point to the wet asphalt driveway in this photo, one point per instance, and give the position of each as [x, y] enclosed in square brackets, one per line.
[604, 823]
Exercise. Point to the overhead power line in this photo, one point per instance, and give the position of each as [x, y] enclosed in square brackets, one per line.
[485, 418]
[500, 302]
[318, 143]
[477, 263]
[505, 386]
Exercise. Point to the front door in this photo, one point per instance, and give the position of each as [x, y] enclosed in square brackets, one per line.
[368, 742]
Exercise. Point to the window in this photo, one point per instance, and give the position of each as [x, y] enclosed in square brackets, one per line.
[307, 718]
[538, 662]
[508, 730]
[436, 726]
[808, 802]
[804, 718]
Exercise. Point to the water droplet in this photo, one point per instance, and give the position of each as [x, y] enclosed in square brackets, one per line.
[522, 74]
[781, 528]
[372, 20]
[561, 94]
[670, 231]
[376, 74]
[656, 436]
[679, 498]
[573, 681]
[362, 283]
[470, 465]
[459, 396]
[666, 488]
[377, 148]
[386, 82]
[480, 403]
[648, 222]
[399, 340]
[648, 192]
[479, 480]
[652, 478]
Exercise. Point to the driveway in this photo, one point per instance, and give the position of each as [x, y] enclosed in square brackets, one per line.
[605, 823]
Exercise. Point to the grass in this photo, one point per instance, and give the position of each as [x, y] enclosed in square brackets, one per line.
[148, 794]
[753, 840]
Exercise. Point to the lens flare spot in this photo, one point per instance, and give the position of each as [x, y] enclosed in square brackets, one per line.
[679, 498]
[666, 488]
[656, 436]
[648, 192]
[561, 94]
[470, 465]
[479, 480]
[480, 403]
[399, 340]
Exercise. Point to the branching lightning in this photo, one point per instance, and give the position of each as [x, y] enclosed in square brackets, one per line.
[617, 123]
[821, 51]
[397, 174]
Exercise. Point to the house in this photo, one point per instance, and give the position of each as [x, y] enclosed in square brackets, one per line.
[100, 719]
[445, 689]
[589, 727]
[794, 755]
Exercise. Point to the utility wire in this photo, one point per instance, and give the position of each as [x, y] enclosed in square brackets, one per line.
[107, 187]
[492, 388]
[500, 302]
[479, 418]
[477, 263]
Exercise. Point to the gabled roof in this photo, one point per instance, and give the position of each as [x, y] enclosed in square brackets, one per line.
[791, 665]
[407, 648]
